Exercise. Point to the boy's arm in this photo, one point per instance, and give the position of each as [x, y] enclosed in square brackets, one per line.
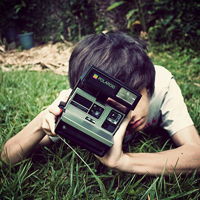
[35, 134]
[25, 142]
[185, 158]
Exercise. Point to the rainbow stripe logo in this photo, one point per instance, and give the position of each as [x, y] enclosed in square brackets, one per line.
[95, 76]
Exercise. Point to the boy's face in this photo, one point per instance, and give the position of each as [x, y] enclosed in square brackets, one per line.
[140, 113]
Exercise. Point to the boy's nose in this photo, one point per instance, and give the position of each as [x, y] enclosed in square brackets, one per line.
[133, 114]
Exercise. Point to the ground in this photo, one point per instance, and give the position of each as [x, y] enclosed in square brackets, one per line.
[50, 56]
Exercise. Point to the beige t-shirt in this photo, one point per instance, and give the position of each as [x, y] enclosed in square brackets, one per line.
[167, 108]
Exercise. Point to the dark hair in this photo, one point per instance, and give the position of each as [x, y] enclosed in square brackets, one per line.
[119, 55]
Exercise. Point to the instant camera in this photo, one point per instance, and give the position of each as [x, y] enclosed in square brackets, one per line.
[94, 111]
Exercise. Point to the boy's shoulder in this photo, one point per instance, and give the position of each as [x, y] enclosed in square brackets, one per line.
[162, 77]
[167, 108]
[162, 83]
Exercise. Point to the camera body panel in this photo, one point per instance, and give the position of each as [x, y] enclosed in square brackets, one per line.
[91, 115]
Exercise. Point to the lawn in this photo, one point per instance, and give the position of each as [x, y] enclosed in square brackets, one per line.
[58, 173]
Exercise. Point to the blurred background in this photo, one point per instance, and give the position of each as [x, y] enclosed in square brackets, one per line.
[175, 22]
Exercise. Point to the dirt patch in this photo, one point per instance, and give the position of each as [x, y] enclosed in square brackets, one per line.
[50, 56]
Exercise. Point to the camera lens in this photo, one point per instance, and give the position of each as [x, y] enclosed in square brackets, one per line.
[114, 117]
[96, 111]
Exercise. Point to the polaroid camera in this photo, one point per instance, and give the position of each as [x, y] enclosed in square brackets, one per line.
[94, 111]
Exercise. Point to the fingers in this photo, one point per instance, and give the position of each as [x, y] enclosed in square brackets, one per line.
[48, 124]
[122, 129]
[63, 96]
[55, 110]
[115, 153]
[51, 113]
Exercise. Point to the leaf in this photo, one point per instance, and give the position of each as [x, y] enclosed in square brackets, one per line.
[135, 22]
[23, 4]
[196, 61]
[132, 24]
[130, 13]
[114, 5]
[149, 189]
[168, 20]
[17, 8]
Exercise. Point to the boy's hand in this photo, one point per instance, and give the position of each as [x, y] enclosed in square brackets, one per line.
[50, 114]
[115, 156]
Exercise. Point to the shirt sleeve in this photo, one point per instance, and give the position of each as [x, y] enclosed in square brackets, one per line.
[174, 113]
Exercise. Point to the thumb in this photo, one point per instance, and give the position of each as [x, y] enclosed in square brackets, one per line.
[119, 135]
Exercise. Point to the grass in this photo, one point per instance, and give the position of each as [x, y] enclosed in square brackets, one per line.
[58, 173]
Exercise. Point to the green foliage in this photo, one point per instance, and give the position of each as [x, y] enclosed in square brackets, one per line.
[77, 17]
[178, 22]
[7, 15]
[49, 19]
[114, 5]
[135, 15]
[58, 173]
[165, 21]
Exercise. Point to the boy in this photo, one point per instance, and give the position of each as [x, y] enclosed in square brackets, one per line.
[124, 58]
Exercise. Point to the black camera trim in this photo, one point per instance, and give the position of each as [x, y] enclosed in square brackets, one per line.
[77, 124]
